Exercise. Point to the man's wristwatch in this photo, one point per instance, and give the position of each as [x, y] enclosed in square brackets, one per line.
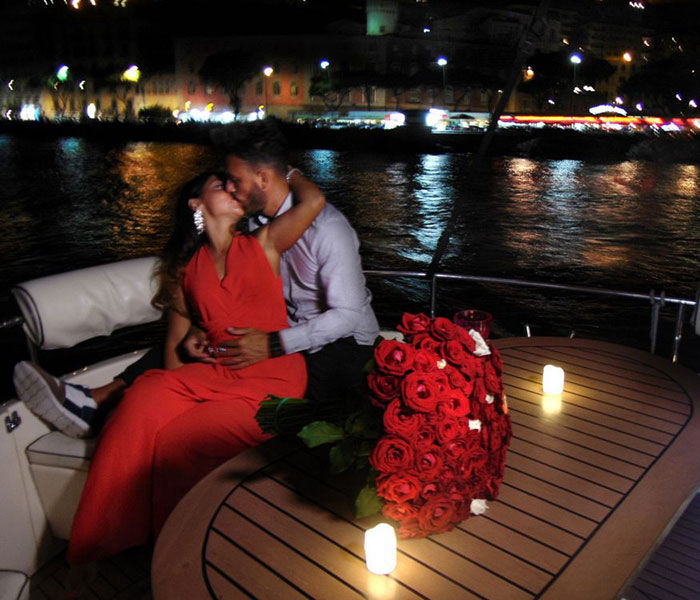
[276, 348]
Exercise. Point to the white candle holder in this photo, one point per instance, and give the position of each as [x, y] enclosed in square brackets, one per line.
[552, 380]
[380, 549]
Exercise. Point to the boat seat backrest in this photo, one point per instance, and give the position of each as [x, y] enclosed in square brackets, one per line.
[65, 309]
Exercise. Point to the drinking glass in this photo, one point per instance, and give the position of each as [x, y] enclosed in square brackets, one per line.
[480, 320]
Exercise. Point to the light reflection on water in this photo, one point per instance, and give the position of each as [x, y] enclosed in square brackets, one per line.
[630, 225]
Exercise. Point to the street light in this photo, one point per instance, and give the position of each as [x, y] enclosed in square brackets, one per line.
[132, 74]
[62, 73]
[575, 60]
[627, 57]
[324, 64]
[267, 71]
[442, 61]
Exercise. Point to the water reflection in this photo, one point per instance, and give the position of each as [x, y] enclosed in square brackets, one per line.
[629, 225]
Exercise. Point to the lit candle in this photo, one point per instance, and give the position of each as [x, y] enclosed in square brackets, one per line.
[552, 380]
[380, 549]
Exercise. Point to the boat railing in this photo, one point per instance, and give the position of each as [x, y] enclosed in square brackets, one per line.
[657, 301]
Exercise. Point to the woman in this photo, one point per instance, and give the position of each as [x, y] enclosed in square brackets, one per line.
[174, 426]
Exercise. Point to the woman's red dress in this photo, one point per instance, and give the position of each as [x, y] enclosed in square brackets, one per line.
[174, 427]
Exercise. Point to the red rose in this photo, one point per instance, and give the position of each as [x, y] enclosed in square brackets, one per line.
[425, 361]
[442, 382]
[425, 342]
[393, 357]
[425, 437]
[384, 388]
[430, 490]
[447, 429]
[410, 528]
[496, 359]
[454, 352]
[401, 420]
[436, 515]
[455, 449]
[472, 462]
[420, 392]
[464, 337]
[391, 454]
[455, 403]
[443, 329]
[457, 380]
[470, 366]
[428, 463]
[400, 511]
[412, 325]
[398, 487]
[492, 380]
[479, 392]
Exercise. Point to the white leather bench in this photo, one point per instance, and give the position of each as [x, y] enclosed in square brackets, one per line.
[61, 311]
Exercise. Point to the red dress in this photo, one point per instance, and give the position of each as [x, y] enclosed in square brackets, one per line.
[174, 427]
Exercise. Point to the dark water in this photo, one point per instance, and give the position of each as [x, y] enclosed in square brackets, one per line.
[70, 203]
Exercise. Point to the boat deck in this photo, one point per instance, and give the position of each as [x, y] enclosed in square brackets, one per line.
[592, 483]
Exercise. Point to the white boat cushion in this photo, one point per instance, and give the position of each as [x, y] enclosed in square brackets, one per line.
[67, 308]
[58, 450]
[13, 585]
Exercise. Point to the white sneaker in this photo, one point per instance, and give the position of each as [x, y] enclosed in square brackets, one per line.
[66, 406]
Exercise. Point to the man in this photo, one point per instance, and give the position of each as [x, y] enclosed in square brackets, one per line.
[328, 305]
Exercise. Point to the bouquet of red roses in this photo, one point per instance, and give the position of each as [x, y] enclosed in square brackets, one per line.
[434, 427]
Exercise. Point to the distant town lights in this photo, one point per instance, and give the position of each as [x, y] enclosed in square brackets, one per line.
[693, 103]
[637, 5]
[325, 64]
[575, 59]
[639, 106]
[81, 85]
[10, 84]
[131, 74]
[62, 73]
[627, 57]
[441, 60]
[619, 100]
[268, 71]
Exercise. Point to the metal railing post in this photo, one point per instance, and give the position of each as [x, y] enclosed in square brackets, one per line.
[433, 295]
[678, 334]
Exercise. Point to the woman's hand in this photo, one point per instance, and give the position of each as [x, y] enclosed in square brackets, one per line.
[196, 346]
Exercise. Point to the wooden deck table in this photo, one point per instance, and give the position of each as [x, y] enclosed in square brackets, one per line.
[590, 487]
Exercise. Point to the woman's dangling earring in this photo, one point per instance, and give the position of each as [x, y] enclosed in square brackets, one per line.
[198, 218]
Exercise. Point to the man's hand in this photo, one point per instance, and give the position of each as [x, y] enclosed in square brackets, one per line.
[196, 345]
[249, 347]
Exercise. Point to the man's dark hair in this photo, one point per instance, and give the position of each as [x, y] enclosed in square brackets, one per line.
[256, 142]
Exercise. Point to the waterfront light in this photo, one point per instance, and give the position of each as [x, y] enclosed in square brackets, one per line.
[62, 73]
[380, 549]
[131, 74]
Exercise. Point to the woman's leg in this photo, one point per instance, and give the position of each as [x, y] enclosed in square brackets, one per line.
[197, 442]
[115, 508]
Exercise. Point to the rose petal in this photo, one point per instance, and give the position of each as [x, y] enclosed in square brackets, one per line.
[482, 348]
[478, 506]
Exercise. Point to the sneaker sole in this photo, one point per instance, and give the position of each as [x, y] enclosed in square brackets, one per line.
[40, 397]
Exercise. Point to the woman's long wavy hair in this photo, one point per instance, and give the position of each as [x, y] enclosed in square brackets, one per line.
[183, 242]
